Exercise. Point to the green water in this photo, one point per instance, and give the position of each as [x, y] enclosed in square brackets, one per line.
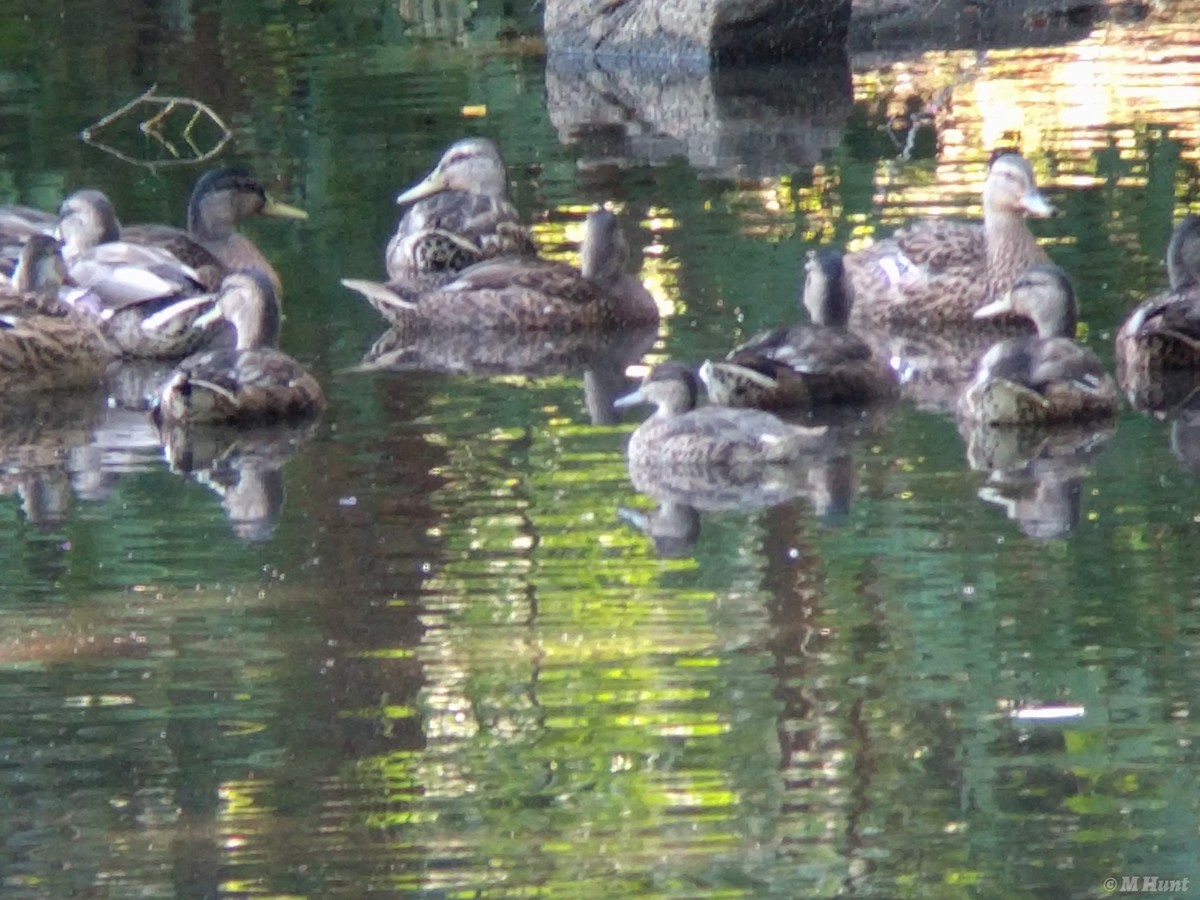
[419, 652]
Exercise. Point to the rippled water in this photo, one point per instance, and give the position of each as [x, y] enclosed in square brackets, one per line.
[439, 645]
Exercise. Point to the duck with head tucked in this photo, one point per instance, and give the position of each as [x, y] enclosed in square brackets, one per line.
[41, 344]
[522, 294]
[937, 272]
[1163, 332]
[1047, 378]
[459, 214]
[120, 284]
[688, 450]
[804, 366]
[252, 383]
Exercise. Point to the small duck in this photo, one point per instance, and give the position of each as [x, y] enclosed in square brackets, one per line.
[220, 201]
[1163, 332]
[17, 224]
[459, 215]
[936, 271]
[521, 294]
[685, 449]
[805, 365]
[41, 344]
[250, 384]
[1047, 378]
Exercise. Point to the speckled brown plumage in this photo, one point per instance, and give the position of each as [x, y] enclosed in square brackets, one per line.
[42, 345]
[252, 382]
[519, 294]
[1163, 332]
[804, 366]
[459, 215]
[1047, 378]
[939, 271]
[681, 449]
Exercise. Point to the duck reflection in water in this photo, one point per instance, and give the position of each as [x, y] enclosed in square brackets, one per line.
[1036, 472]
[716, 458]
[43, 439]
[601, 358]
[1169, 396]
[243, 466]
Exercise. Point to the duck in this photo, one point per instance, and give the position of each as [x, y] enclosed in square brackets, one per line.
[17, 224]
[937, 272]
[41, 345]
[252, 383]
[220, 200]
[1041, 379]
[804, 366]
[1163, 331]
[522, 294]
[120, 285]
[683, 449]
[458, 215]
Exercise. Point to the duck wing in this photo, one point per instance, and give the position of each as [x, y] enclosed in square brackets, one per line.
[181, 245]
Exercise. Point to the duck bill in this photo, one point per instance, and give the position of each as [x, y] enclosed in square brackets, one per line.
[633, 399]
[277, 209]
[995, 308]
[428, 186]
[1035, 204]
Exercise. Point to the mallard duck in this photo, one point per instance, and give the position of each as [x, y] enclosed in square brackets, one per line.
[220, 201]
[685, 450]
[1163, 332]
[459, 215]
[1047, 378]
[251, 383]
[936, 271]
[122, 284]
[17, 225]
[521, 294]
[805, 365]
[41, 344]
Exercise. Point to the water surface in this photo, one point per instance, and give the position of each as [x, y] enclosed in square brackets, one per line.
[419, 650]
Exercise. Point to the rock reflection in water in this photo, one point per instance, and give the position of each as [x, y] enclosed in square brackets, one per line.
[1036, 472]
[735, 121]
[243, 466]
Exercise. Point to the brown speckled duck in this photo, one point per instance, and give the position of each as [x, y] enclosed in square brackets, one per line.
[937, 271]
[41, 344]
[804, 366]
[1163, 332]
[523, 294]
[459, 214]
[251, 383]
[685, 449]
[1047, 378]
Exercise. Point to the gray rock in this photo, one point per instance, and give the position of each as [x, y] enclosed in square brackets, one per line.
[694, 33]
